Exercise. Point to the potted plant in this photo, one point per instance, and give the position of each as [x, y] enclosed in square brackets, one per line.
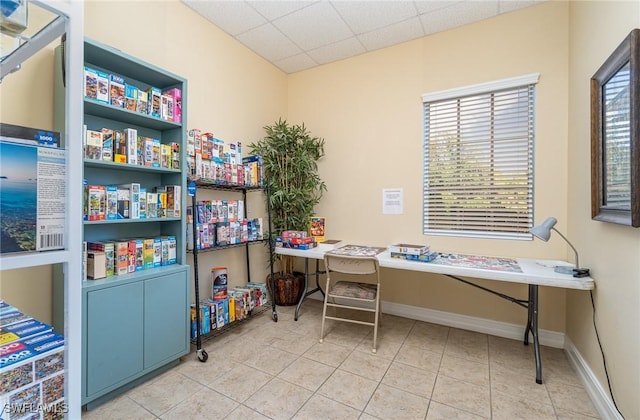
[290, 157]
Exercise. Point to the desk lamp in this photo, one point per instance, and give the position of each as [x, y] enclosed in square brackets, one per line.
[543, 231]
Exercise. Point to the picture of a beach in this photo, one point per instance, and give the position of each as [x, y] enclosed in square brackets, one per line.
[18, 197]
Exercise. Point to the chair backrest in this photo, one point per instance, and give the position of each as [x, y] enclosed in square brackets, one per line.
[348, 264]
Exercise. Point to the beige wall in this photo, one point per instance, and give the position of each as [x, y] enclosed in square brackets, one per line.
[369, 110]
[611, 251]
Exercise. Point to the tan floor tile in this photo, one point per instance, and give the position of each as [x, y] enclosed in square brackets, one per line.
[119, 408]
[307, 373]
[419, 357]
[278, 399]
[465, 369]
[572, 398]
[327, 353]
[438, 411]
[205, 403]
[388, 344]
[234, 385]
[319, 407]
[245, 413]
[161, 395]
[294, 343]
[518, 383]
[467, 345]
[411, 379]
[462, 395]
[428, 336]
[349, 389]
[347, 335]
[512, 354]
[270, 360]
[570, 415]
[507, 407]
[393, 403]
[204, 373]
[369, 365]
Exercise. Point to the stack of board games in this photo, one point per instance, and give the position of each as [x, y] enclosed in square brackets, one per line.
[411, 252]
[31, 367]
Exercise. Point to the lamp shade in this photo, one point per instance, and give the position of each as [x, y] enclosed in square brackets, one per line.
[543, 231]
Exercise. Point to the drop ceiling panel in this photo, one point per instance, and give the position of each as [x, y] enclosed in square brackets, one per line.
[314, 26]
[233, 17]
[269, 42]
[362, 16]
[393, 34]
[337, 51]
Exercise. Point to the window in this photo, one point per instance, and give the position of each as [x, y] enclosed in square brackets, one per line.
[478, 160]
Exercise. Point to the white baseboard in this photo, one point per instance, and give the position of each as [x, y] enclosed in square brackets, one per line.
[600, 398]
[471, 323]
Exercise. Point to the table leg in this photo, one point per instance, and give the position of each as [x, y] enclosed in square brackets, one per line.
[306, 282]
[532, 325]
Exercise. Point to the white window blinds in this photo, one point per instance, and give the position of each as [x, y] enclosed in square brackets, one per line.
[478, 160]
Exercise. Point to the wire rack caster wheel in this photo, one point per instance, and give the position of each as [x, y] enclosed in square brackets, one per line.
[202, 355]
[274, 315]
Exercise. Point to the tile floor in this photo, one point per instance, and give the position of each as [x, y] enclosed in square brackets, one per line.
[268, 370]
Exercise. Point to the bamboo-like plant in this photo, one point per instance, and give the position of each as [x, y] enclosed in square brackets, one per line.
[290, 157]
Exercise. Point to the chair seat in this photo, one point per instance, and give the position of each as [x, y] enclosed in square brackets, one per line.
[346, 289]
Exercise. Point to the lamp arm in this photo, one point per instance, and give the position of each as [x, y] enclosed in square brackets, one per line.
[574, 250]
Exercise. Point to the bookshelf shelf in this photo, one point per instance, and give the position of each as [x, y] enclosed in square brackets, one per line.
[91, 163]
[102, 110]
[128, 221]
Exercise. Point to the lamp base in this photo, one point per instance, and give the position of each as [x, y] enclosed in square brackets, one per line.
[581, 272]
[563, 269]
[575, 272]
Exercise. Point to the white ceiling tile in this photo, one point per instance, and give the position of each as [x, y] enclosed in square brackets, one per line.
[296, 63]
[393, 34]
[505, 6]
[233, 17]
[269, 42]
[340, 50]
[314, 26]
[274, 9]
[426, 6]
[364, 16]
[457, 15]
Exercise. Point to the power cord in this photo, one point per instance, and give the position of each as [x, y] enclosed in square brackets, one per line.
[604, 361]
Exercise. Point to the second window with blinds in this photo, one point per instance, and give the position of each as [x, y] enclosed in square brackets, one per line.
[478, 159]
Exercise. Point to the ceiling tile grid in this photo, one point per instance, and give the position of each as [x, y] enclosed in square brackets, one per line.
[298, 35]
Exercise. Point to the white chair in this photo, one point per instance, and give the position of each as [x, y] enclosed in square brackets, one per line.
[361, 293]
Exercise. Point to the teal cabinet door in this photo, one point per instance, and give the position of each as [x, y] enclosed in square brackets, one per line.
[114, 336]
[166, 319]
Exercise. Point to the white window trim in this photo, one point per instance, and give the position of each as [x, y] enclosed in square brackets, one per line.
[485, 87]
